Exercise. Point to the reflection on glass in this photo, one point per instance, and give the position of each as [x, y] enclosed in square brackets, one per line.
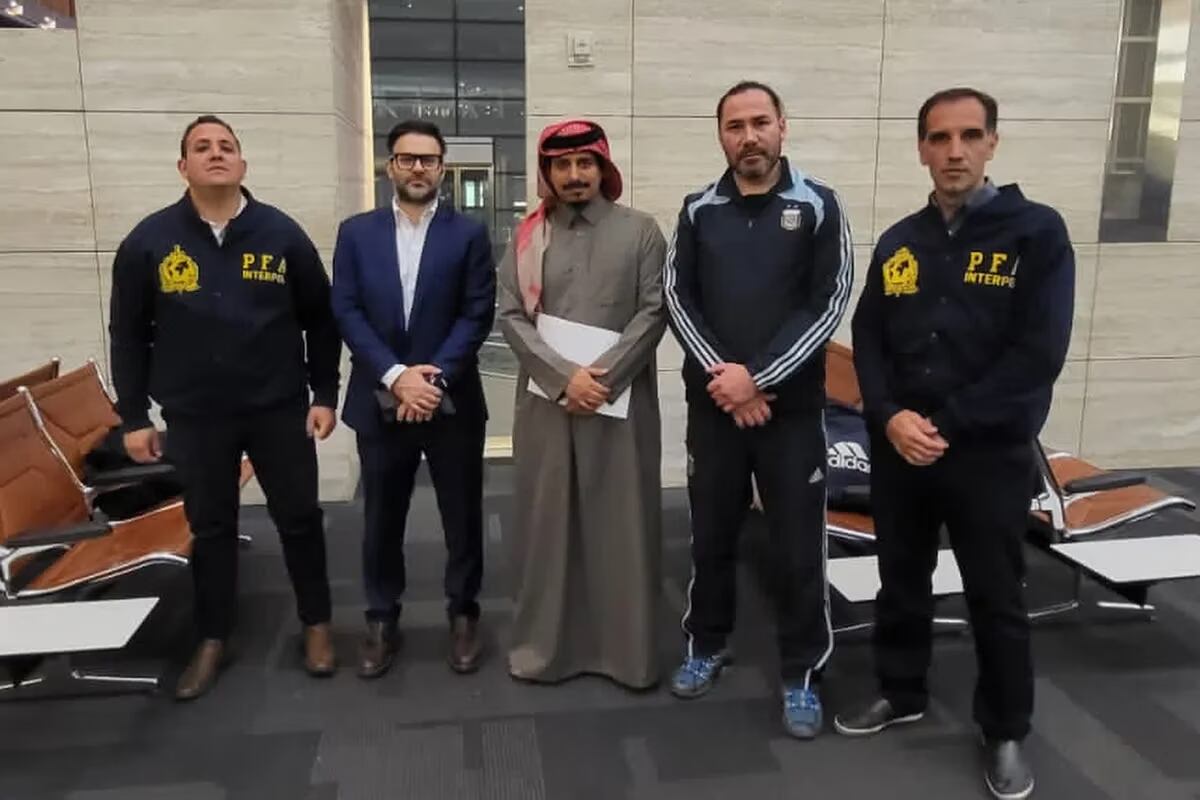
[491, 79]
[412, 9]
[387, 112]
[499, 10]
[491, 40]
[510, 153]
[395, 78]
[510, 190]
[417, 40]
[1131, 124]
[1141, 18]
[1139, 174]
[482, 117]
[1136, 71]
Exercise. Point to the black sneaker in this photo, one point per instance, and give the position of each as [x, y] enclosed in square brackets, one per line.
[1007, 774]
[871, 720]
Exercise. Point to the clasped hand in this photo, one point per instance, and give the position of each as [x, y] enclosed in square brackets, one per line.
[419, 397]
[735, 393]
[584, 393]
[915, 438]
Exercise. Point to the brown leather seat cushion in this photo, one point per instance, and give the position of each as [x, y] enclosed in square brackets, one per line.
[33, 377]
[77, 412]
[160, 533]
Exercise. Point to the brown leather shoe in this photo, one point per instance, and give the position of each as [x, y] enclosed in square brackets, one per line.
[319, 657]
[378, 650]
[201, 672]
[464, 645]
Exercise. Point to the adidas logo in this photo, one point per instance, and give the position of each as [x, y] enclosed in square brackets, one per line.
[849, 455]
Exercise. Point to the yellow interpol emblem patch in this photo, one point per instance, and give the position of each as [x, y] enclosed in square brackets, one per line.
[900, 274]
[178, 272]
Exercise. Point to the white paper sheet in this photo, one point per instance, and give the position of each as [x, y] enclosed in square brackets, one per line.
[582, 344]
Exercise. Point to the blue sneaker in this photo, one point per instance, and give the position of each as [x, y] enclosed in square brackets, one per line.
[802, 715]
[696, 676]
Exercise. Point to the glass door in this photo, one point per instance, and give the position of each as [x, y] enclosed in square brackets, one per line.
[470, 188]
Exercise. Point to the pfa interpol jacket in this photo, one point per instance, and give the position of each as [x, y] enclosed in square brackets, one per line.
[968, 322]
[213, 329]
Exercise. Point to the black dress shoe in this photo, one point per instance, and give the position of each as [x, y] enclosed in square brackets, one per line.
[1007, 774]
[378, 650]
[873, 718]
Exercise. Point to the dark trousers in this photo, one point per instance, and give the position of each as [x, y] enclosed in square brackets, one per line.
[453, 447]
[981, 494]
[207, 452]
[787, 459]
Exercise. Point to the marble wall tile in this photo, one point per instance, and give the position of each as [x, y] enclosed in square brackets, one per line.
[354, 182]
[40, 69]
[1040, 60]
[1060, 164]
[49, 306]
[862, 260]
[292, 164]
[1062, 428]
[1184, 223]
[104, 263]
[1087, 258]
[1142, 412]
[674, 157]
[673, 410]
[181, 55]
[556, 90]
[1191, 81]
[822, 56]
[351, 83]
[338, 466]
[670, 353]
[1146, 301]
[44, 199]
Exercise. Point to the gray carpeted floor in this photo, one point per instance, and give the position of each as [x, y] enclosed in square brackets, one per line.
[1118, 703]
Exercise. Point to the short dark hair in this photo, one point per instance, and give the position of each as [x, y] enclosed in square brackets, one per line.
[416, 126]
[750, 86]
[990, 108]
[205, 119]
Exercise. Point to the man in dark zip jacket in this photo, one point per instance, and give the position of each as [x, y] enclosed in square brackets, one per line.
[756, 280]
[959, 335]
[221, 313]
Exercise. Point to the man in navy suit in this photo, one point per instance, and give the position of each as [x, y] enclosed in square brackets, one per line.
[414, 289]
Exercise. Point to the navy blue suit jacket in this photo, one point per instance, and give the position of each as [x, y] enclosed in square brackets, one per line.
[452, 309]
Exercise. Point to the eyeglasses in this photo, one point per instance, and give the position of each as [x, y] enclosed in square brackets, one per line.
[408, 161]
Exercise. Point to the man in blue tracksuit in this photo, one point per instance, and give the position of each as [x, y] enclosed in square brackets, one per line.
[756, 280]
[959, 335]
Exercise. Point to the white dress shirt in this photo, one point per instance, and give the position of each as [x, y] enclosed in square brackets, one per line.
[410, 244]
[218, 229]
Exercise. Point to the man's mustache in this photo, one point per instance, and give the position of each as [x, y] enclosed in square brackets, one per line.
[575, 185]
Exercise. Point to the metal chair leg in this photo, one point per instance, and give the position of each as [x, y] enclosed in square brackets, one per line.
[56, 677]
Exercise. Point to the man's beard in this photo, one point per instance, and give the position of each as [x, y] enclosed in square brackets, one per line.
[769, 160]
[409, 196]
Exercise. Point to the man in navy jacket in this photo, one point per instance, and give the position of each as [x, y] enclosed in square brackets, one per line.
[414, 290]
[959, 335]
